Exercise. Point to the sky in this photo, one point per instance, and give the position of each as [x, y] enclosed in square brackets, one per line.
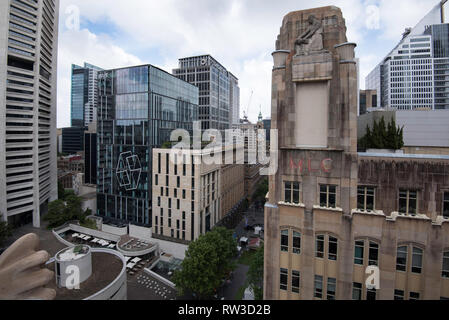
[240, 34]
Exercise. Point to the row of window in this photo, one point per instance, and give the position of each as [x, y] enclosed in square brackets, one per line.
[408, 258]
[366, 198]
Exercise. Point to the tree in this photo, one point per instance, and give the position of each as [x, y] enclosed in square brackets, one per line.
[60, 212]
[255, 274]
[208, 260]
[5, 230]
[381, 137]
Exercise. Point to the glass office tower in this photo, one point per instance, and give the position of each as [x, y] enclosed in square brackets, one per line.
[138, 108]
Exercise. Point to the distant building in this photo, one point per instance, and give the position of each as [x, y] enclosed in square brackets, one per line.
[73, 140]
[219, 94]
[413, 75]
[90, 155]
[138, 109]
[84, 96]
[368, 101]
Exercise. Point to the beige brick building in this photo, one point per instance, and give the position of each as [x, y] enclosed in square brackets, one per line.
[191, 197]
[332, 212]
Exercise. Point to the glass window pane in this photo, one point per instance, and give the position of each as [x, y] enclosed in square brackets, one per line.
[284, 240]
[318, 287]
[358, 252]
[401, 260]
[417, 260]
[319, 246]
[296, 242]
[373, 254]
[333, 247]
[356, 291]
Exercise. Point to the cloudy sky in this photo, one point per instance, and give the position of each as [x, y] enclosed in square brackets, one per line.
[238, 33]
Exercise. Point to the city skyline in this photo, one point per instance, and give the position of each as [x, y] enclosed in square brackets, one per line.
[108, 37]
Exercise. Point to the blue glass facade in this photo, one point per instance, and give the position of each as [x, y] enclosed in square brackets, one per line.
[79, 95]
[138, 109]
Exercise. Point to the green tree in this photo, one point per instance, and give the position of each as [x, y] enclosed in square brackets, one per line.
[62, 211]
[5, 231]
[383, 136]
[208, 260]
[255, 274]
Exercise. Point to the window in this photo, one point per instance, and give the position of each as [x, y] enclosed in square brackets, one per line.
[331, 288]
[328, 196]
[296, 242]
[414, 296]
[358, 252]
[319, 246]
[370, 294]
[333, 247]
[284, 279]
[356, 291]
[295, 281]
[318, 287]
[417, 260]
[284, 240]
[365, 198]
[446, 205]
[445, 270]
[291, 192]
[401, 259]
[408, 202]
[373, 254]
[398, 295]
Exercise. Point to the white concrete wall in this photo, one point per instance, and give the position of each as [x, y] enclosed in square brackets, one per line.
[114, 230]
[425, 128]
[141, 233]
[176, 249]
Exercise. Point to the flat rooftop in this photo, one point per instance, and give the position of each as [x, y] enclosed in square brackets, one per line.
[105, 269]
[403, 156]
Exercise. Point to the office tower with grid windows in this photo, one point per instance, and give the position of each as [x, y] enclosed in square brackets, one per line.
[219, 106]
[28, 75]
[415, 74]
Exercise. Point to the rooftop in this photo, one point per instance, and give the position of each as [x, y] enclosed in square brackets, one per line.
[105, 269]
[404, 156]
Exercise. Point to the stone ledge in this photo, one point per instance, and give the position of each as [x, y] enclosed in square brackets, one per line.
[299, 205]
[340, 210]
[379, 213]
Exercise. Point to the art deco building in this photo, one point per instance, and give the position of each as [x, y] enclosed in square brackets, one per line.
[28, 74]
[333, 212]
[138, 109]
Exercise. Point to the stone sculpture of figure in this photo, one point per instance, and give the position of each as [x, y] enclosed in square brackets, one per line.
[305, 38]
[22, 275]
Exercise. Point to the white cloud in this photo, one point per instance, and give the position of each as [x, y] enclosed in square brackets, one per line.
[238, 33]
[77, 47]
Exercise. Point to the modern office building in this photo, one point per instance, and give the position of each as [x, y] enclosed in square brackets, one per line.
[84, 96]
[333, 212]
[186, 196]
[28, 75]
[138, 109]
[234, 100]
[219, 92]
[90, 157]
[191, 196]
[414, 75]
[73, 140]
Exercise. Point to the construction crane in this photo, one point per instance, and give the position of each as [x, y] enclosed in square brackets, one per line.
[245, 114]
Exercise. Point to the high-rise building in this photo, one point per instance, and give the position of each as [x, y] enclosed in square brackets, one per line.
[137, 110]
[234, 100]
[368, 101]
[219, 92]
[28, 75]
[90, 154]
[73, 140]
[413, 76]
[84, 96]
